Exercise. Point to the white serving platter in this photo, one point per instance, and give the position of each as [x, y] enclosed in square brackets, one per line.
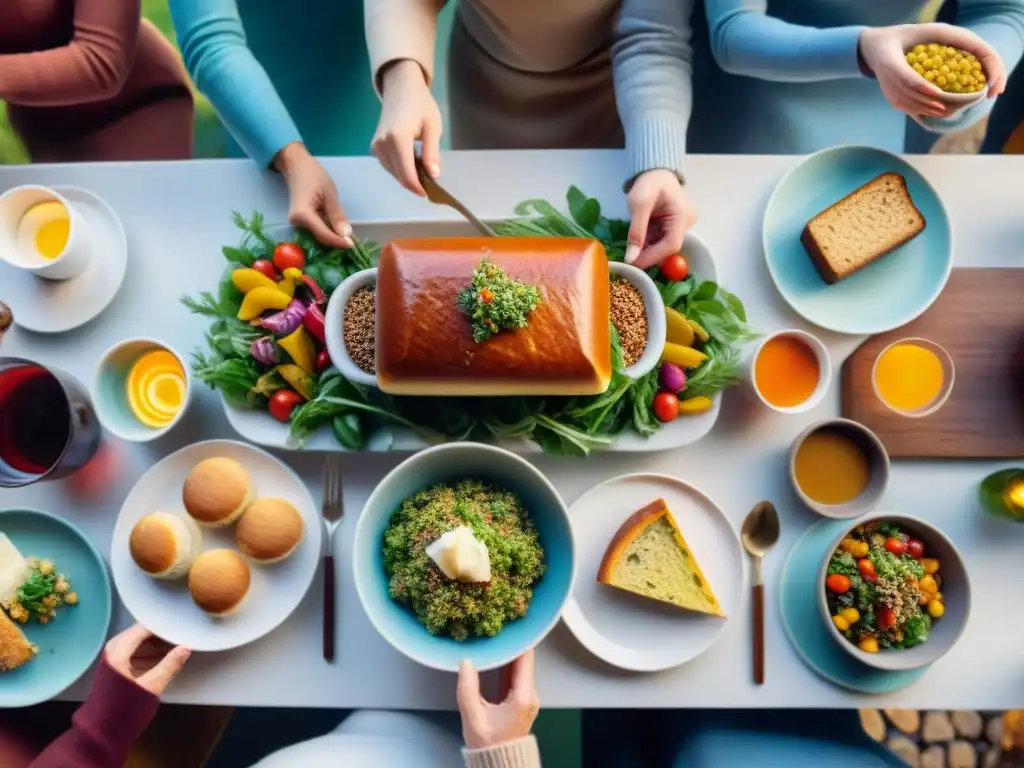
[258, 427]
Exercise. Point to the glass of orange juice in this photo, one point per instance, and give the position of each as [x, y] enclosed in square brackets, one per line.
[913, 377]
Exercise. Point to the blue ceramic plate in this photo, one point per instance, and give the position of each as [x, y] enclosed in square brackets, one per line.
[69, 644]
[882, 296]
[801, 616]
[447, 463]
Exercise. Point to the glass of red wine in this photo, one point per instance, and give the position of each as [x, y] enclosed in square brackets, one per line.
[47, 426]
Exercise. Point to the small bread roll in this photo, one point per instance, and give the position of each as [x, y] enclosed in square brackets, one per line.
[165, 545]
[269, 531]
[217, 491]
[219, 581]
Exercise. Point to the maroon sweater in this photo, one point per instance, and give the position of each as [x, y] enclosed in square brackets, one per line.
[105, 727]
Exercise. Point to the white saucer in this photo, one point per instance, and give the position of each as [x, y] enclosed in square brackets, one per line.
[165, 607]
[49, 306]
[632, 632]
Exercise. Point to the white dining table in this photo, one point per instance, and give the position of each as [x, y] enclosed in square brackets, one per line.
[177, 218]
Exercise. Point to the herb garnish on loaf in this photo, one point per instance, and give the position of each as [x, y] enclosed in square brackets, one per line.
[864, 226]
[648, 556]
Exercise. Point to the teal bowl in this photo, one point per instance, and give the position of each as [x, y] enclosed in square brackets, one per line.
[69, 644]
[110, 398]
[884, 295]
[449, 463]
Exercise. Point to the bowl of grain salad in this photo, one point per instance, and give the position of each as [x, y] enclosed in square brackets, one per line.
[638, 314]
[894, 592]
[349, 327]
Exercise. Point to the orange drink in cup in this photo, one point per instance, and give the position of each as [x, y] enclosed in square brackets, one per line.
[913, 377]
[790, 371]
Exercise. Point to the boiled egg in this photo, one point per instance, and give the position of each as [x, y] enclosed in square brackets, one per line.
[44, 230]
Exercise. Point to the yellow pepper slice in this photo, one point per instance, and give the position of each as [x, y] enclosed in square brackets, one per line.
[259, 300]
[695, 405]
[299, 380]
[678, 330]
[289, 279]
[684, 357]
[698, 329]
[247, 279]
[301, 349]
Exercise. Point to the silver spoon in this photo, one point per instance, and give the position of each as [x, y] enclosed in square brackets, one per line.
[441, 196]
[759, 533]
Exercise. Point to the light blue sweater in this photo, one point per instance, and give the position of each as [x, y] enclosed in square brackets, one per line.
[298, 70]
[789, 82]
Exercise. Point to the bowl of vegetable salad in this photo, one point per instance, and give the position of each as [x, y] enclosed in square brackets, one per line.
[894, 592]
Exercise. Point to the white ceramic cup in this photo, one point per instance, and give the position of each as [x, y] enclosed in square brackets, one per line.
[824, 370]
[70, 263]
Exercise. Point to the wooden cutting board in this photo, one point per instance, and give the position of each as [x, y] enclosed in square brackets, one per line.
[979, 319]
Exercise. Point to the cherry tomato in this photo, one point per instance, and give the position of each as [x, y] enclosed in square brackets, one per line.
[915, 547]
[323, 361]
[867, 570]
[675, 268]
[896, 546]
[267, 269]
[838, 583]
[289, 255]
[282, 402]
[666, 406]
[885, 618]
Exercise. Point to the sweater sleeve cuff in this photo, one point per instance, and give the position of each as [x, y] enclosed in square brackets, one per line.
[117, 705]
[521, 753]
[399, 30]
[655, 141]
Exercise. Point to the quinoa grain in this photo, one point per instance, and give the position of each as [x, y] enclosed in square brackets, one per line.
[629, 316]
[359, 328]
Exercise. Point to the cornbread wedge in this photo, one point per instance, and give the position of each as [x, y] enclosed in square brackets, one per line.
[864, 226]
[648, 556]
[15, 649]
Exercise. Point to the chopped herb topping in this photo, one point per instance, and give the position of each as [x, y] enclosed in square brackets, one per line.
[495, 302]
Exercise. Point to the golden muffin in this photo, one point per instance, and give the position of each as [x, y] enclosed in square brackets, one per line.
[217, 491]
[219, 581]
[270, 531]
[165, 545]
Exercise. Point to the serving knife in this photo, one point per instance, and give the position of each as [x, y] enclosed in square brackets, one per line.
[440, 196]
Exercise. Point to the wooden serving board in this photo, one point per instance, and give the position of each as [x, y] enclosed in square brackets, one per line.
[979, 319]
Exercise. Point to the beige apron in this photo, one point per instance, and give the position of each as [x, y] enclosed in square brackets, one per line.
[494, 105]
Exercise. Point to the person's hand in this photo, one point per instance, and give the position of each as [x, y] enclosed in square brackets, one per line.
[146, 661]
[409, 113]
[312, 197]
[884, 50]
[488, 725]
[659, 216]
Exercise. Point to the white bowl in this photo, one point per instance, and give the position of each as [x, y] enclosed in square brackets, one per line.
[108, 391]
[654, 306]
[824, 370]
[334, 324]
[955, 587]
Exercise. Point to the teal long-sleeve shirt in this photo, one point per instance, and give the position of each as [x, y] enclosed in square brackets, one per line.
[296, 71]
[789, 82]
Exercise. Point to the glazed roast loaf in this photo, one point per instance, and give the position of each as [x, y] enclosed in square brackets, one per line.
[424, 341]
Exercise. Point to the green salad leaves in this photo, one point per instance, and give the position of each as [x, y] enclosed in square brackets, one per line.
[559, 425]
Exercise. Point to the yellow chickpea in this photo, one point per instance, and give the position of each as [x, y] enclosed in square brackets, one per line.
[975, 65]
[868, 644]
[919, 68]
[71, 598]
[936, 609]
[956, 88]
[841, 624]
[944, 69]
[940, 80]
[47, 568]
[50, 600]
[930, 76]
[919, 48]
[911, 57]
[852, 615]
[932, 47]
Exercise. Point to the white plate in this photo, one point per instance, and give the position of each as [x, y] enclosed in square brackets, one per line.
[632, 632]
[50, 306]
[166, 607]
[258, 427]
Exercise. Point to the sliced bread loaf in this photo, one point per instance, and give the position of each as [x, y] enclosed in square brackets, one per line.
[864, 226]
[648, 556]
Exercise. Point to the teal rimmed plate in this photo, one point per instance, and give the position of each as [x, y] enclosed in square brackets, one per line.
[884, 295]
[801, 617]
[69, 644]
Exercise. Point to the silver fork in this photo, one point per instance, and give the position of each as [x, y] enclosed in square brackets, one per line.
[333, 511]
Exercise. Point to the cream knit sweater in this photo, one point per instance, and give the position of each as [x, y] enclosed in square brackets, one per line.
[553, 53]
